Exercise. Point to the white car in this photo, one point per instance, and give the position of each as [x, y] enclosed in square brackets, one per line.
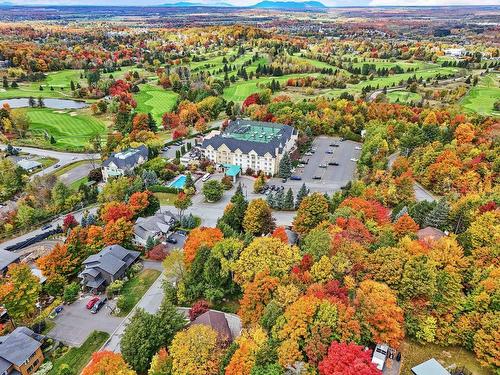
[357, 148]
[354, 159]
[379, 355]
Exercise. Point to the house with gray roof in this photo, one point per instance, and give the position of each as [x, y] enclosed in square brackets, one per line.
[108, 265]
[20, 352]
[120, 163]
[156, 227]
[250, 144]
[29, 165]
[430, 367]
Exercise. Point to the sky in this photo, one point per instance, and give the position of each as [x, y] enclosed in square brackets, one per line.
[251, 2]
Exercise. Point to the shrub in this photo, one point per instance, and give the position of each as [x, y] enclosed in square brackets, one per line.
[158, 252]
[227, 182]
[198, 308]
[213, 190]
[115, 287]
[44, 369]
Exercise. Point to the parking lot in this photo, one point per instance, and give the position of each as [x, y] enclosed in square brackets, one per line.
[75, 323]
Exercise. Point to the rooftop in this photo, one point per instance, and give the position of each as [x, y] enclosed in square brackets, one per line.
[253, 131]
[18, 346]
[430, 367]
[7, 258]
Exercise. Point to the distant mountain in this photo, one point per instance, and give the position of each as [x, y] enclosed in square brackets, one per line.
[182, 4]
[292, 5]
[6, 4]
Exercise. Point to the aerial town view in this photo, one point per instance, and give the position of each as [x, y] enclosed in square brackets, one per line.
[237, 187]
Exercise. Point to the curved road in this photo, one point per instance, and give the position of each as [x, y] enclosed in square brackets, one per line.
[64, 158]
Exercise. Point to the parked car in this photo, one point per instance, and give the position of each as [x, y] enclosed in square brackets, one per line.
[56, 312]
[295, 178]
[354, 159]
[284, 180]
[334, 145]
[98, 305]
[171, 240]
[357, 148]
[92, 302]
[47, 226]
[342, 139]
[182, 232]
[322, 165]
[317, 178]
[333, 163]
[329, 151]
[308, 153]
[57, 165]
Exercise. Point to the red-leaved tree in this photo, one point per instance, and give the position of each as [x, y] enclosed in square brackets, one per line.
[347, 359]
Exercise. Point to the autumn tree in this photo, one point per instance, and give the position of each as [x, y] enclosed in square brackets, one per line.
[312, 210]
[265, 253]
[405, 225]
[258, 219]
[198, 237]
[380, 313]
[182, 202]
[244, 358]
[256, 296]
[113, 211]
[347, 359]
[118, 232]
[195, 351]
[161, 363]
[58, 262]
[19, 291]
[107, 363]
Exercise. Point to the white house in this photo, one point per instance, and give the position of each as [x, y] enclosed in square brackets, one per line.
[124, 161]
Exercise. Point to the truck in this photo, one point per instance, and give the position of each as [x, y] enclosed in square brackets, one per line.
[379, 355]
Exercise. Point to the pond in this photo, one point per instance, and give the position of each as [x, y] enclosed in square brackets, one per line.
[49, 103]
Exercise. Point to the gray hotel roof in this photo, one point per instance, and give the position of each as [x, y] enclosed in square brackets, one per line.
[127, 158]
[261, 148]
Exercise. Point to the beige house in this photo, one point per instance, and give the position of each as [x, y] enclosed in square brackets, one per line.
[250, 144]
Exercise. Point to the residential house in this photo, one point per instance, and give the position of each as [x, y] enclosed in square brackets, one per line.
[430, 367]
[156, 227]
[20, 352]
[29, 165]
[430, 234]
[120, 163]
[259, 146]
[218, 322]
[108, 265]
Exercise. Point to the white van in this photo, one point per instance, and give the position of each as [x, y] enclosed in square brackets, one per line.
[380, 355]
[205, 177]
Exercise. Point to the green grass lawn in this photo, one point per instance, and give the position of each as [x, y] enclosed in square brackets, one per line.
[166, 199]
[414, 354]
[76, 184]
[155, 100]
[46, 161]
[403, 96]
[134, 289]
[238, 91]
[71, 129]
[77, 358]
[481, 98]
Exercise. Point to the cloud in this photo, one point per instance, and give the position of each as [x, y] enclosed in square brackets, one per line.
[423, 3]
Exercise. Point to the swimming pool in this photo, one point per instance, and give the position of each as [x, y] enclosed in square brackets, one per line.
[179, 182]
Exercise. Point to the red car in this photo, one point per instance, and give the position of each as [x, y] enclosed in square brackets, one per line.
[92, 302]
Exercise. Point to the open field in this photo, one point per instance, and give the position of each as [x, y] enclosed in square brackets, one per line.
[70, 129]
[482, 98]
[166, 199]
[77, 358]
[155, 100]
[240, 90]
[403, 96]
[414, 354]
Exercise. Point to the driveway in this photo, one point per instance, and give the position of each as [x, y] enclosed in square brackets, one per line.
[78, 172]
[75, 323]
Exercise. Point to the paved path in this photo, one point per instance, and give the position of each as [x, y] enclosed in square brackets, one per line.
[150, 302]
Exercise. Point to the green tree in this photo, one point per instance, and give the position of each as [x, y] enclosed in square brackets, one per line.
[317, 243]
[147, 333]
[182, 202]
[19, 291]
[288, 202]
[285, 166]
[301, 194]
[312, 210]
[189, 184]
[213, 190]
[259, 183]
[438, 217]
[11, 179]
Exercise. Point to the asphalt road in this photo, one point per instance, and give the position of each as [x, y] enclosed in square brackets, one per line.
[64, 158]
[77, 173]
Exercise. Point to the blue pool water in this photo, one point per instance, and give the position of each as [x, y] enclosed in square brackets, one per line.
[179, 182]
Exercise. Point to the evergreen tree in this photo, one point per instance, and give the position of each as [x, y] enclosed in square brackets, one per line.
[270, 200]
[279, 199]
[152, 123]
[288, 202]
[72, 85]
[285, 167]
[302, 193]
[438, 217]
